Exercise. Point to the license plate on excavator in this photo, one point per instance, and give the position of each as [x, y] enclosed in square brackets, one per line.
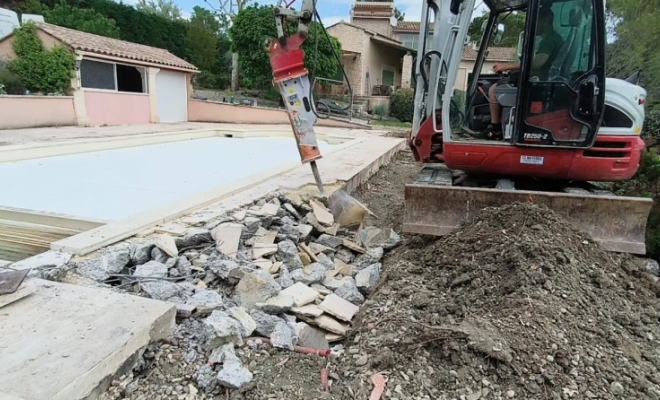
[618, 224]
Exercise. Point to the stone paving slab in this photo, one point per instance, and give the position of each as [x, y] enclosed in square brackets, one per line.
[63, 341]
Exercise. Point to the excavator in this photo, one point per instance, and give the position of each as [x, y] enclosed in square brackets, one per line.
[548, 128]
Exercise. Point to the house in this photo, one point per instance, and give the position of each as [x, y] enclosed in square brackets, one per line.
[378, 50]
[117, 82]
[408, 33]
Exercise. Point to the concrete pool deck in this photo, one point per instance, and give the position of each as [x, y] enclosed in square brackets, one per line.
[353, 151]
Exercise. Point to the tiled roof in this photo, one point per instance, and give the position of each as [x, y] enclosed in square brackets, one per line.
[409, 26]
[373, 9]
[494, 54]
[102, 45]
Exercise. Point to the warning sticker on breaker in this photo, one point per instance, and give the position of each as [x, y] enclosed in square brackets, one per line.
[534, 160]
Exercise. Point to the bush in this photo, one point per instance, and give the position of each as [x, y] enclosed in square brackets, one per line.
[402, 104]
[46, 71]
[12, 83]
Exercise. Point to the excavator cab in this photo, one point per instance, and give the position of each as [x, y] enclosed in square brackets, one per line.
[564, 124]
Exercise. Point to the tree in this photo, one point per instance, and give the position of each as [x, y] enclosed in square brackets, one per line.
[514, 23]
[165, 8]
[634, 31]
[47, 71]
[86, 20]
[202, 38]
[228, 11]
[255, 26]
[398, 14]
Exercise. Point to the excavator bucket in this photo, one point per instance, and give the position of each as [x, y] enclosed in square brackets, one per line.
[618, 224]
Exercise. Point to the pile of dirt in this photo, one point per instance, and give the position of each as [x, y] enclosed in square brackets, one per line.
[516, 304]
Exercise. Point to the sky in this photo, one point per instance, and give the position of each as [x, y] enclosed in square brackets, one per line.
[331, 11]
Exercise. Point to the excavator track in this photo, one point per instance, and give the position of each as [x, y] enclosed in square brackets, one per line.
[440, 200]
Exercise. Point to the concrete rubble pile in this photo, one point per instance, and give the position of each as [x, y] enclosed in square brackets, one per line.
[286, 271]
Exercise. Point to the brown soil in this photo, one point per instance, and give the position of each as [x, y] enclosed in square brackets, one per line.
[517, 304]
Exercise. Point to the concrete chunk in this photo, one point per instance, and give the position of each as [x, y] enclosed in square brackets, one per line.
[277, 305]
[166, 243]
[161, 290]
[233, 374]
[313, 273]
[285, 279]
[282, 336]
[256, 287]
[350, 292]
[304, 231]
[372, 256]
[321, 213]
[265, 323]
[223, 330]
[334, 283]
[142, 253]
[332, 242]
[52, 358]
[205, 301]
[288, 253]
[222, 268]
[116, 259]
[247, 322]
[260, 250]
[367, 279]
[151, 269]
[310, 310]
[310, 337]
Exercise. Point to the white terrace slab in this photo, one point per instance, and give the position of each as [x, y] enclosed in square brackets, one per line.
[62, 341]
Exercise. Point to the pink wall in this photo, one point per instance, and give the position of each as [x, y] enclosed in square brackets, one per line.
[35, 111]
[107, 108]
[208, 111]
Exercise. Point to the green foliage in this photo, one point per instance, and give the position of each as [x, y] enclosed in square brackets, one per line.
[513, 25]
[164, 8]
[11, 83]
[46, 71]
[140, 27]
[401, 104]
[380, 110]
[202, 39]
[82, 19]
[252, 30]
[636, 27]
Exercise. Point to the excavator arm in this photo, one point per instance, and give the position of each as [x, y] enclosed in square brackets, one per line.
[292, 79]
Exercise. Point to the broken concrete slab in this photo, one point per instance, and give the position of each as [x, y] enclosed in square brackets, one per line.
[310, 337]
[256, 287]
[353, 246]
[269, 209]
[277, 305]
[321, 213]
[371, 237]
[329, 324]
[26, 289]
[334, 283]
[263, 236]
[48, 259]
[166, 243]
[317, 248]
[309, 310]
[301, 293]
[304, 231]
[172, 228]
[151, 269]
[260, 250]
[239, 215]
[338, 307]
[289, 208]
[227, 238]
[67, 340]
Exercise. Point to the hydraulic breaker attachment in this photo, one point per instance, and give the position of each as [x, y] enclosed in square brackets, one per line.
[292, 79]
[618, 224]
